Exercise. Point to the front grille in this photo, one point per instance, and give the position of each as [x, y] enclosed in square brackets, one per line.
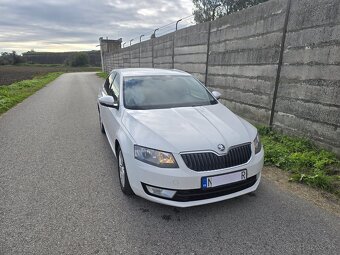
[207, 161]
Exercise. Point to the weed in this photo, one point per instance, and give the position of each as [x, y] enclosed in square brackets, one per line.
[102, 75]
[306, 162]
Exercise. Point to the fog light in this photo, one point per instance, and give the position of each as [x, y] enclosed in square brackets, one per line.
[161, 192]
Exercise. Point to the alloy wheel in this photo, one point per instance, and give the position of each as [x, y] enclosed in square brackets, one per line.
[121, 169]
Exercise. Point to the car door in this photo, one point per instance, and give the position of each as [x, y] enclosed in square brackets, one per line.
[113, 117]
[106, 91]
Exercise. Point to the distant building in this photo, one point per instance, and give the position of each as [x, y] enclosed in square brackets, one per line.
[108, 45]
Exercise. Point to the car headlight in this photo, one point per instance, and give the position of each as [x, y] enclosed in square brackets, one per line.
[257, 144]
[155, 157]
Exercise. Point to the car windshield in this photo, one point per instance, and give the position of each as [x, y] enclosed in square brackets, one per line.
[164, 91]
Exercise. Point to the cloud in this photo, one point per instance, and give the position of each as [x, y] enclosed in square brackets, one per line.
[54, 25]
[148, 12]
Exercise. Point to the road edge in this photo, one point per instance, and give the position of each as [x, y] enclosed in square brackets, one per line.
[321, 199]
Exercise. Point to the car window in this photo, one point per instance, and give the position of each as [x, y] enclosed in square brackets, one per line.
[195, 91]
[115, 86]
[112, 77]
[108, 83]
[156, 92]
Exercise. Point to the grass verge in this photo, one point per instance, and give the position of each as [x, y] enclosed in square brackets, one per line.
[16, 92]
[102, 75]
[305, 162]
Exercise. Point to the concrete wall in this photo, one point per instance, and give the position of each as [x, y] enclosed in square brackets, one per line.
[162, 51]
[190, 54]
[244, 56]
[277, 63]
[146, 54]
[308, 100]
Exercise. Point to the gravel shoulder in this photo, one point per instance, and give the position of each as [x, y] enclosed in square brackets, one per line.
[319, 198]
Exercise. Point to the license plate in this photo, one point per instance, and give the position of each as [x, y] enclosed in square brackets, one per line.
[218, 180]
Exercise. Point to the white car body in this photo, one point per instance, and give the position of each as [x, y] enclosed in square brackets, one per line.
[180, 130]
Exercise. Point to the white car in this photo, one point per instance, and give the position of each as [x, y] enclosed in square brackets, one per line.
[175, 143]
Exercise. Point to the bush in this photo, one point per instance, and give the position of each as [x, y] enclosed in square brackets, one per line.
[79, 59]
[10, 58]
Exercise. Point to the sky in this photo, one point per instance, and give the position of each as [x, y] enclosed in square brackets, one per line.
[76, 25]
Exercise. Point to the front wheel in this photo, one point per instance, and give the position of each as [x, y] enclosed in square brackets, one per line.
[123, 178]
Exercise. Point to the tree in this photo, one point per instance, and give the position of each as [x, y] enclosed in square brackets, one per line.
[16, 58]
[10, 58]
[207, 10]
[78, 59]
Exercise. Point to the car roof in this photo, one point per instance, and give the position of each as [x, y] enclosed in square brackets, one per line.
[149, 72]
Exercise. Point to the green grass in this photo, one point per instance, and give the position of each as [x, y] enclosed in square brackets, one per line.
[102, 75]
[16, 92]
[306, 162]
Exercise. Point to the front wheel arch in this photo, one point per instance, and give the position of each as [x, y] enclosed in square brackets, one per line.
[117, 147]
[126, 188]
[101, 124]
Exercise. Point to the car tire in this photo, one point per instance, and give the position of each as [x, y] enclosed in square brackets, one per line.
[122, 174]
[102, 129]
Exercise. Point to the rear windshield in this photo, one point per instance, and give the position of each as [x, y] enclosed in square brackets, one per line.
[155, 92]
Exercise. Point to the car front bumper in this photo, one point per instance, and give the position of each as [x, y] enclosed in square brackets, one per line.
[187, 183]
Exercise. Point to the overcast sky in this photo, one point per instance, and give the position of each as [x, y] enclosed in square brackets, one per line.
[57, 25]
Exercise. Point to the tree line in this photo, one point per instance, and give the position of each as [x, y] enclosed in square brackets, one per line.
[12, 58]
[208, 10]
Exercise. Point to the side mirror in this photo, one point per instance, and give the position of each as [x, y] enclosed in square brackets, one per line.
[108, 101]
[216, 94]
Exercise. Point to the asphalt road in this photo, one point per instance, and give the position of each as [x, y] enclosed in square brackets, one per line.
[60, 194]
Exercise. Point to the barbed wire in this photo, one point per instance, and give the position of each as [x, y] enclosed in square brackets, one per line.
[183, 22]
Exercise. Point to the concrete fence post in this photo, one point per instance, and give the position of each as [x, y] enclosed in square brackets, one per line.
[130, 57]
[152, 42]
[207, 59]
[173, 50]
[278, 73]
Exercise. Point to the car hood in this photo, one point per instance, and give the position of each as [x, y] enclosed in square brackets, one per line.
[188, 128]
